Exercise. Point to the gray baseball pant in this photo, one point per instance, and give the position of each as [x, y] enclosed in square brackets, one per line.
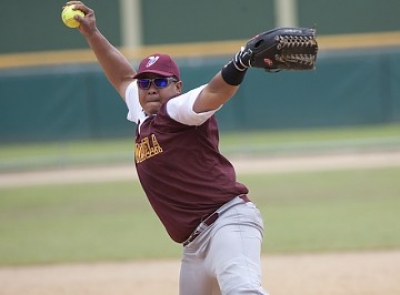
[225, 258]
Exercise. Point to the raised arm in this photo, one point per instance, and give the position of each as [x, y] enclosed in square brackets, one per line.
[115, 65]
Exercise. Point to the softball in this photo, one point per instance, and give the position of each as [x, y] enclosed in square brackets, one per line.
[67, 16]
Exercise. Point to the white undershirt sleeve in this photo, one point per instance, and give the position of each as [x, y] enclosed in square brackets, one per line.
[180, 108]
[132, 101]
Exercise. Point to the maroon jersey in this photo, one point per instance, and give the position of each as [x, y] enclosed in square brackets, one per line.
[182, 172]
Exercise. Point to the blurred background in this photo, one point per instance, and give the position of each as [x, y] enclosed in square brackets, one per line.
[52, 90]
[58, 111]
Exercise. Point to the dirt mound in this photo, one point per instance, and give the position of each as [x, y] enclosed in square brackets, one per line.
[367, 273]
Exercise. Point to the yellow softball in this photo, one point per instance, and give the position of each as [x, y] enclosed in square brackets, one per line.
[67, 16]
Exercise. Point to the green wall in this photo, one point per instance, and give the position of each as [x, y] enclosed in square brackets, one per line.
[350, 16]
[59, 103]
[176, 21]
[27, 26]
[76, 102]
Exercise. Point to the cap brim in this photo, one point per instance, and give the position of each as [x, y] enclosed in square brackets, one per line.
[161, 73]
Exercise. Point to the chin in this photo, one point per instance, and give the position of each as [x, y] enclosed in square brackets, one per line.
[153, 110]
[153, 107]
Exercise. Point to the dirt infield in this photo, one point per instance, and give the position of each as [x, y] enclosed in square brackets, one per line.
[365, 273]
[369, 273]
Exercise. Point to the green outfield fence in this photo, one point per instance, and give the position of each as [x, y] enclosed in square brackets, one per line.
[187, 21]
[75, 101]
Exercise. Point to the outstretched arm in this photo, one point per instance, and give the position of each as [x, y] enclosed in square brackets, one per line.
[223, 85]
[116, 66]
[215, 94]
[275, 50]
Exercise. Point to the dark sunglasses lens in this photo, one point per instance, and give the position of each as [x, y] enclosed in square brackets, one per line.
[144, 83]
[161, 82]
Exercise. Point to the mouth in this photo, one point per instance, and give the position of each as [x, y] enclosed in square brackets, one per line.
[153, 99]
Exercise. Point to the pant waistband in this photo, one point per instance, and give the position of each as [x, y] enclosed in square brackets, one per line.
[214, 216]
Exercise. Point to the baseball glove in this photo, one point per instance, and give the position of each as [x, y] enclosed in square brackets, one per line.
[280, 49]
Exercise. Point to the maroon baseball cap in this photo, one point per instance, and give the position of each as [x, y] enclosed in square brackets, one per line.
[158, 63]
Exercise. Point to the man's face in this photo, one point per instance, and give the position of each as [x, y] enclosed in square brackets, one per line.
[152, 98]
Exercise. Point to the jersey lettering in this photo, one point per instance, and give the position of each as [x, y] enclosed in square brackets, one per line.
[146, 149]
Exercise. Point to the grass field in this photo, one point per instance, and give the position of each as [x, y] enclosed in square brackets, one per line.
[303, 212]
[112, 221]
[16, 157]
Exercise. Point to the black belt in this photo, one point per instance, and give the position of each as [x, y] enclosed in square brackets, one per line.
[208, 222]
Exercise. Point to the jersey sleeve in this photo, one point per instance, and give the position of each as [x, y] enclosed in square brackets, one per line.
[132, 101]
[180, 108]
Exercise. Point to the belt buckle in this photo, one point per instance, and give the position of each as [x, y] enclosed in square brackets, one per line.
[191, 238]
[200, 228]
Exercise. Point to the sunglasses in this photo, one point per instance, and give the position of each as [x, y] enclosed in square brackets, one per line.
[159, 83]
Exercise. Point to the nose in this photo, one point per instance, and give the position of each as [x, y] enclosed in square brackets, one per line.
[152, 88]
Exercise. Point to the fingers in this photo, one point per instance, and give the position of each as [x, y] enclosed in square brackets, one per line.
[78, 5]
[69, 3]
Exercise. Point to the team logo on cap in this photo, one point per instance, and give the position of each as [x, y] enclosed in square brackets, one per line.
[152, 60]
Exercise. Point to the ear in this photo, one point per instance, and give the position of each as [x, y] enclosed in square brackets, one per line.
[179, 86]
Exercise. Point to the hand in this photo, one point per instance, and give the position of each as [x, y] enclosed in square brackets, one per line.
[88, 23]
[242, 59]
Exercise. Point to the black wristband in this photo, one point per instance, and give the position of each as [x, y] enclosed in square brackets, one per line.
[232, 75]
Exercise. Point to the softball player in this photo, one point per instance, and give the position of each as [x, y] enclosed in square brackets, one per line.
[190, 185]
